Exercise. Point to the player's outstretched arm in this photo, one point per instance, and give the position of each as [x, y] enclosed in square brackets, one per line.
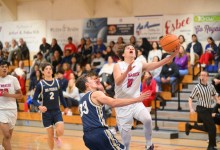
[154, 65]
[99, 97]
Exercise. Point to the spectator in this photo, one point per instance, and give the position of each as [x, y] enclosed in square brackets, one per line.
[156, 72]
[38, 61]
[6, 47]
[72, 76]
[140, 57]
[148, 84]
[133, 41]
[109, 52]
[182, 41]
[73, 64]
[118, 46]
[25, 54]
[182, 62]
[97, 62]
[67, 57]
[160, 47]
[79, 71]
[54, 47]
[56, 60]
[88, 69]
[62, 80]
[1, 46]
[72, 96]
[112, 44]
[194, 49]
[216, 82]
[14, 49]
[169, 74]
[34, 80]
[87, 51]
[216, 113]
[107, 69]
[67, 71]
[70, 46]
[81, 46]
[35, 69]
[145, 45]
[99, 46]
[217, 57]
[44, 47]
[154, 52]
[210, 51]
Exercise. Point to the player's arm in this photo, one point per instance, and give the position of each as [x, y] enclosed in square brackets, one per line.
[193, 94]
[154, 65]
[119, 77]
[99, 97]
[63, 102]
[18, 94]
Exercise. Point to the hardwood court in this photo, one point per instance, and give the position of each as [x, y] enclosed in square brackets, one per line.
[34, 138]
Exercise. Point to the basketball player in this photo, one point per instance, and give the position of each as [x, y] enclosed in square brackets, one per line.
[49, 89]
[10, 90]
[127, 75]
[96, 134]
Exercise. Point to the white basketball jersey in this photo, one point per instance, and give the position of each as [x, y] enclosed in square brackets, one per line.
[130, 87]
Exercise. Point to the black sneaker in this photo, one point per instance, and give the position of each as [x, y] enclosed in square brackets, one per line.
[150, 148]
[188, 127]
[212, 148]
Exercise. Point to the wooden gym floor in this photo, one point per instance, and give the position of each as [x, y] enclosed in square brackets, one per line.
[34, 138]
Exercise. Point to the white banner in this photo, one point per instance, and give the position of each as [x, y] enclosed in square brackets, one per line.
[31, 31]
[179, 25]
[61, 30]
[149, 27]
[119, 21]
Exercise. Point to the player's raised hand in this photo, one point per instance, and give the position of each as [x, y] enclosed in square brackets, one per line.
[42, 109]
[144, 96]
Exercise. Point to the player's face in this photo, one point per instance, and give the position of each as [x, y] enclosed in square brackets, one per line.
[92, 83]
[48, 71]
[204, 77]
[129, 51]
[3, 70]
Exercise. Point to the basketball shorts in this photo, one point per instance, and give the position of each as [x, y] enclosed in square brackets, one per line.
[125, 115]
[52, 117]
[8, 116]
[101, 139]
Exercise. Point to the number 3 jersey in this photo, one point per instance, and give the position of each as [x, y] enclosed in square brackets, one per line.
[130, 87]
[91, 114]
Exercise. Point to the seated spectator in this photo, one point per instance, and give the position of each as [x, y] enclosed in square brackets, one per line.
[6, 47]
[54, 47]
[133, 41]
[81, 46]
[62, 80]
[182, 41]
[72, 96]
[67, 71]
[35, 69]
[70, 46]
[109, 52]
[154, 52]
[156, 72]
[73, 64]
[120, 43]
[148, 84]
[79, 71]
[112, 44]
[99, 46]
[44, 47]
[169, 74]
[145, 46]
[98, 62]
[87, 52]
[56, 60]
[67, 57]
[25, 54]
[181, 61]
[38, 61]
[210, 51]
[1, 46]
[88, 69]
[107, 69]
[34, 80]
[140, 57]
[194, 50]
[216, 82]
[14, 49]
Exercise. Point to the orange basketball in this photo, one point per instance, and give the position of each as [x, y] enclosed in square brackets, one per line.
[169, 42]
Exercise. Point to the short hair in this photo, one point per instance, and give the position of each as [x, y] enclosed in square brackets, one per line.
[205, 72]
[81, 83]
[4, 62]
[70, 38]
[121, 52]
[60, 71]
[45, 65]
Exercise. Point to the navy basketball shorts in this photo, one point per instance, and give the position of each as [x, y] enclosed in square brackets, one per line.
[101, 139]
[52, 117]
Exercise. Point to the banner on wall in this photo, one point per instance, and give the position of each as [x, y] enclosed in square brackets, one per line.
[207, 26]
[95, 28]
[31, 31]
[149, 27]
[179, 25]
[61, 30]
[120, 27]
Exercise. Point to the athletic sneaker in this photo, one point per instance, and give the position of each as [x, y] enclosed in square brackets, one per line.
[188, 127]
[113, 131]
[58, 141]
[150, 147]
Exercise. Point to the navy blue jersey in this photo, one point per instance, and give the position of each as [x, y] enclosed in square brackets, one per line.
[91, 114]
[51, 94]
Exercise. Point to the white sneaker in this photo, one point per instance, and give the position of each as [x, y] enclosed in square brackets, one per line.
[113, 131]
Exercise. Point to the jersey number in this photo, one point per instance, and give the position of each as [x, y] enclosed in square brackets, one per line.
[51, 95]
[130, 81]
[83, 108]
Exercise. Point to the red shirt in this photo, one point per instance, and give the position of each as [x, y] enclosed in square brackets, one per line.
[66, 74]
[152, 88]
[70, 46]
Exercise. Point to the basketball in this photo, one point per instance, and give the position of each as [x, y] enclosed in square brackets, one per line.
[169, 42]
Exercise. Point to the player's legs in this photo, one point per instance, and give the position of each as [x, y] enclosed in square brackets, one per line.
[144, 116]
[58, 121]
[126, 137]
[7, 134]
[50, 139]
[59, 129]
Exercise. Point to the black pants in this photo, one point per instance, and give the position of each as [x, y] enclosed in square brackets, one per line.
[71, 102]
[205, 116]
